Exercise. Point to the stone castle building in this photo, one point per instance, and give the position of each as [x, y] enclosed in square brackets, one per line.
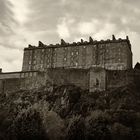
[110, 54]
[92, 65]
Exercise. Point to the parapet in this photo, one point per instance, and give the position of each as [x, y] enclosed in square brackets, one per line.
[82, 42]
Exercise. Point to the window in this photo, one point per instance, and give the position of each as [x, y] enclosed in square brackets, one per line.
[29, 62]
[30, 74]
[97, 82]
[72, 53]
[34, 74]
[65, 59]
[77, 53]
[34, 61]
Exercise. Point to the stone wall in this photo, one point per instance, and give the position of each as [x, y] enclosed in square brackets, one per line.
[9, 75]
[97, 79]
[37, 80]
[12, 82]
[1, 87]
[118, 78]
[60, 76]
[11, 85]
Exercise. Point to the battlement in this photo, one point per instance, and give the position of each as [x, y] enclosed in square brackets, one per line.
[81, 43]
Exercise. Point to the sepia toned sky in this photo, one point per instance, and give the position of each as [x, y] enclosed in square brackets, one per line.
[24, 22]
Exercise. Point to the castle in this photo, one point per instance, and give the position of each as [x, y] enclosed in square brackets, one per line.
[92, 65]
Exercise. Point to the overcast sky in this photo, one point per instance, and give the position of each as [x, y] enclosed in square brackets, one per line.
[24, 22]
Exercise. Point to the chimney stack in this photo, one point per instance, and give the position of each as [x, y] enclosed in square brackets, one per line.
[40, 44]
[63, 42]
[127, 37]
[113, 37]
[90, 39]
[0, 70]
[82, 41]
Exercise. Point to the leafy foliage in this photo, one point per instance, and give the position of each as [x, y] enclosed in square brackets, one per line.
[67, 112]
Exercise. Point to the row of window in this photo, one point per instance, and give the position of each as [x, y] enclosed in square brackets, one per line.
[29, 74]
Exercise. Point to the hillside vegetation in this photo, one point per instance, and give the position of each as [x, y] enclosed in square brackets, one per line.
[69, 113]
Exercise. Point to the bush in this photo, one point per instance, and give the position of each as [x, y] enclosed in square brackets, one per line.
[76, 129]
[28, 125]
[97, 126]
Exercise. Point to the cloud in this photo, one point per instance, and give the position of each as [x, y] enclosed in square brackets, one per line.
[10, 59]
[62, 29]
[26, 22]
[20, 10]
[86, 28]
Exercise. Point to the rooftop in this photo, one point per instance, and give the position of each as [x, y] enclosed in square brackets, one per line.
[82, 42]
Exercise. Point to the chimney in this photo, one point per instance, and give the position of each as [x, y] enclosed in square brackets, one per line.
[90, 39]
[40, 44]
[82, 40]
[63, 42]
[0, 70]
[127, 37]
[113, 37]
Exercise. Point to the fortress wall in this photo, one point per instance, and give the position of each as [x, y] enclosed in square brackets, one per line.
[1, 86]
[11, 85]
[9, 75]
[12, 82]
[61, 76]
[114, 56]
[97, 79]
[70, 56]
[137, 77]
[118, 78]
[60, 57]
[27, 60]
[111, 55]
[37, 80]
